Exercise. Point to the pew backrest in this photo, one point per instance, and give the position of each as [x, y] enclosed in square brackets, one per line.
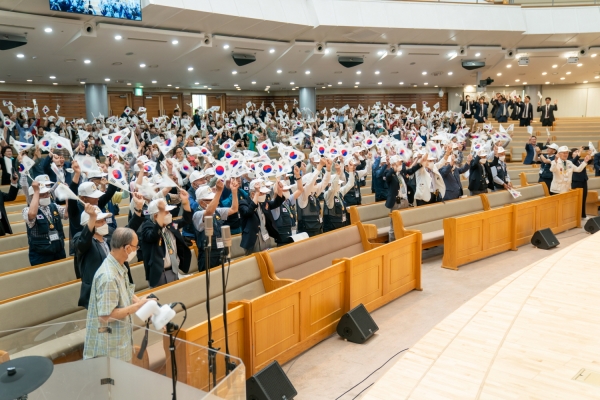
[431, 218]
[375, 213]
[502, 197]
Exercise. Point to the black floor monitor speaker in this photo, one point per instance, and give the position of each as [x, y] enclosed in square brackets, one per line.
[544, 239]
[592, 225]
[270, 383]
[356, 325]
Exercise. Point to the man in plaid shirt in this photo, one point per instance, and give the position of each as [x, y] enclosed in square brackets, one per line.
[109, 324]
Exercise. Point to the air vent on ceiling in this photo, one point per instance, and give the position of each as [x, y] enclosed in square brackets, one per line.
[275, 83]
[242, 72]
[215, 70]
[129, 54]
[337, 72]
[120, 81]
[153, 66]
[117, 63]
[147, 40]
[70, 60]
[543, 56]
[423, 54]
[291, 72]
[214, 84]
[395, 72]
[437, 73]
[319, 84]
[353, 52]
[16, 26]
[247, 49]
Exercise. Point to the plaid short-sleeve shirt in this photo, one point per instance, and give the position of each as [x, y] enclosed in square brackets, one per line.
[110, 289]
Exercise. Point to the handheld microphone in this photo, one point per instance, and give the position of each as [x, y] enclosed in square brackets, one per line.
[226, 236]
[208, 228]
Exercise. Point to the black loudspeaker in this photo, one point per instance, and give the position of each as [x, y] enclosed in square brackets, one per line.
[270, 383]
[544, 239]
[356, 325]
[243, 59]
[350, 62]
[593, 225]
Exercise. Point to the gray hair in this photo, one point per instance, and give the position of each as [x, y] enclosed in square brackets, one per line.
[121, 237]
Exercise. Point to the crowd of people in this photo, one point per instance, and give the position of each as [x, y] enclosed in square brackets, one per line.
[246, 169]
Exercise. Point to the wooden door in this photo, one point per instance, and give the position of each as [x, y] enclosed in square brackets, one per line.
[169, 102]
[216, 100]
[117, 103]
[152, 104]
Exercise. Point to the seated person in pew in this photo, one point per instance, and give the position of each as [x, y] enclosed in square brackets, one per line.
[451, 172]
[579, 178]
[563, 170]
[257, 222]
[546, 175]
[285, 215]
[112, 301]
[430, 184]
[335, 215]
[308, 204]
[43, 219]
[208, 202]
[500, 170]
[164, 251]
[480, 174]
[398, 188]
[5, 228]
[92, 244]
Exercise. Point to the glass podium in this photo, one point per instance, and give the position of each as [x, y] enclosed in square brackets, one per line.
[147, 375]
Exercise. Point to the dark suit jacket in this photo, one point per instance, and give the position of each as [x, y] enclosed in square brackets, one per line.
[251, 222]
[47, 162]
[153, 254]
[551, 109]
[5, 174]
[463, 105]
[10, 196]
[477, 108]
[452, 180]
[391, 177]
[89, 256]
[529, 111]
[579, 176]
[597, 164]
[476, 180]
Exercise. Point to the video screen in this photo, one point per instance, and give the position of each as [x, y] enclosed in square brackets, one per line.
[122, 9]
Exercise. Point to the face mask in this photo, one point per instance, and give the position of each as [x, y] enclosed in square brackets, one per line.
[455, 152]
[482, 161]
[262, 198]
[103, 230]
[92, 142]
[131, 256]
[168, 219]
[25, 126]
[286, 194]
[502, 158]
[155, 153]
[45, 201]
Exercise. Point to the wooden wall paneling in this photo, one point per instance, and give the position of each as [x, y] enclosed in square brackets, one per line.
[216, 99]
[153, 105]
[169, 102]
[187, 100]
[117, 102]
[72, 105]
[366, 100]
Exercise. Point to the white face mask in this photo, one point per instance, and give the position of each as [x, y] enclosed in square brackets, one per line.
[502, 158]
[286, 194]
[455, 152]
[155, 153]
[25, 126]
[102, 230]
[262, 198]
[482, 161]
[168, 219]
[45, 201]
[131, 256]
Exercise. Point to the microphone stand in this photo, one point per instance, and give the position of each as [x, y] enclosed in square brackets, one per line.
[225, 256]
[212, 352]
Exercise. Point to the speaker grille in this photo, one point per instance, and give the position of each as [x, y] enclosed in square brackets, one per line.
[274, 384]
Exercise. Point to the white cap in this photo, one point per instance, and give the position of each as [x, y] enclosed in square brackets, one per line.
[153, 206]
[555, 146]
[482, 153]
[263, 188]
[44, 180]
[89, 189]
[562, 149]
[209, 171]
[431, 157]
[501, 150]
[97, 174]
[204, 192]
[454, 146]
[85, 218]
[383, 159]
[194, 176]
[394, 159]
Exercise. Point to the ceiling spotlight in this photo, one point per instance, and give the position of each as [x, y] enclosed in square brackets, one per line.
[593, 55]
[128, 83]
[450, 73]
[233, 72]
[2, 81]
[254, 82]
[29, 80]
[293, 88]
[453, 55]
[142, 65]
[291, 83]
[547, 83]
[329, 85]
[272, 51]
[326, 51]
[83, 83]
[20, 55]
[569, 73]
[235, 84]
[55, 83]
[196, 83]
[278, 71]
[339, 83]
[153, 81]
[52, 77]
[524, 83]
[402, 83]
[48, 30]
[107, 79]
[169, 85]
[517, 80]
[509, 65]
[307, 72]
[507, 85]
[357, 83]
[322, 87]
[87, 61]
[376, 72]
[380, 52]
[562, 79]
[424, 73]
[499, 74]
[544, 73]
[176, 87]
[355, 87]
[226, 46]
[477, 54]
[175, 42]
[190, 68]
[209, 88]
[426, 83]
[358, 72]
[379, 83]
[585, 81]
[118, 37]
[555, 66]
[597, 77]
[143, 87]
[579, 65]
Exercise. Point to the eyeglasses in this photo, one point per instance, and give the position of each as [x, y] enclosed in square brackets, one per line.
[136, 247]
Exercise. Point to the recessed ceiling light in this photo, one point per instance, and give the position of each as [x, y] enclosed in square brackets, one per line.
[291, 83]
[379, 83]
[87, 61]
[235, 84]
[48, 30]
[278, 71]
[477, 54]
[225, 46]
[176, 87]
[254, 82]
[233, 72]
[2, 81]
[357, 83]
[507, 85]
[175, 42]
[293, 88]
[585, 81]
[509, 65]
[52, 77]
[544, 73]
[594, 55]
[424, 73]
[190, 68]
[307, 72]
[597, 77]
[376, 72]
[358, 72]
[569, 73]
[426, 83]
[579, 65]
[118, 37]
[339, 83]
[517, 80]
[329, 85]
[547, 83]
[555, 66]
[142, 65]
[29, 80]
[83, 83]
[128, 83]
[205, 87]
[450, 73]
[196, 83]
[499, 74]
[380, 52]
[402, 83]
[436, 86]
[55, 83]
[169, 85]
[414, 85]
[153, 81]
[355, 86]
[107, 79]
[20, 55]
[142, 87]
[562, 79]
[322, 87]
[524, 83]
[209, 88]
[272, 51]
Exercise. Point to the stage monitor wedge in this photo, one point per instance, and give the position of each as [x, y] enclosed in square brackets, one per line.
[350, 62]
[243, 59]
[544, 239]
[8, 41]
[270, 383]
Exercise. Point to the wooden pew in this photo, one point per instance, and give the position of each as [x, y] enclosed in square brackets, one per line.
[592, 201]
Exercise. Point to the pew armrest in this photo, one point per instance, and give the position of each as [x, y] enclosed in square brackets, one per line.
[370, 231]
[267, 273]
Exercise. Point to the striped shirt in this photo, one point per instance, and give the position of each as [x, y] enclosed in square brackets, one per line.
[110, 289]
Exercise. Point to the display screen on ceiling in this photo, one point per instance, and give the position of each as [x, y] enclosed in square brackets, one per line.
[122, 9]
